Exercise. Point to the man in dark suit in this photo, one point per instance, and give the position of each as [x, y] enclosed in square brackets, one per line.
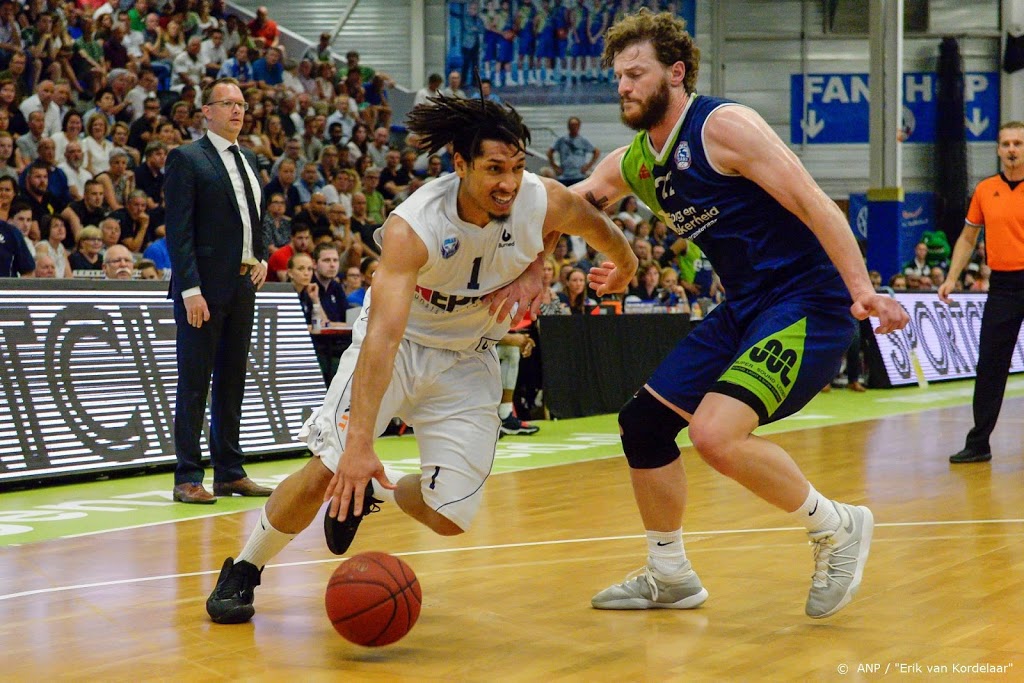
[218, 262]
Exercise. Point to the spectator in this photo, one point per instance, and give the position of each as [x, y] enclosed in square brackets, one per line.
[53, 232]
[292, 151]
[576, 156]
[376, 205]
[919, 264]
[148, 271]
[263, 30]
[149, 176]
[629, 212]
[7, 162]
[673, 293]
[309, 182]
[981, 280]
[212, 52]
[282, 183]
[341, 228]
[19, 76]
[143, 130]
[110, 228]
[40, 200]
[433, 89]
[352, 65]
[300, 243]
[353, 280]
[21, 218]
[137, 230]
[15, 256]
[89, 63]
[339, 191]
[321, 52]
[315, 215]
[188, 68]
[394, 177]
[45, 267]
[86, 256]
[575, 296]
[238, 66]
[937, 277]
[277, 227]
[367, 267]
[95, 144]
[10, 33]
[487, 93]
[332, 294]
[86, 211]
[647, 289]
[118, 182]
[158, 253]
[8, 191]
[454, 88]
[28, 144]
[43, 101]
[898, 282]
[118, 263]
[268, 70]
[71, 131]
[300, 273]
[57, 180]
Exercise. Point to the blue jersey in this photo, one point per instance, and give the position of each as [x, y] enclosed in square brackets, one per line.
[757, 247]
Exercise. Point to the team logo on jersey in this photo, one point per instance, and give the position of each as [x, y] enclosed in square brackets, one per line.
[644, 173]
[449, 246]
[683, 156]
[507, 239]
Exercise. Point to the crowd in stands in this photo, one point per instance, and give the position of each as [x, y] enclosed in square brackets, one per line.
[94, 94]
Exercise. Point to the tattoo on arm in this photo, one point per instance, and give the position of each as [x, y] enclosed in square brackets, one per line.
[598, 202]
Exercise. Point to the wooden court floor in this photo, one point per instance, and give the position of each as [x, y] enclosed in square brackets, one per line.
[509, 601]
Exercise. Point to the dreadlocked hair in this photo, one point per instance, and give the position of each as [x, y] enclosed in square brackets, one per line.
[466, 123]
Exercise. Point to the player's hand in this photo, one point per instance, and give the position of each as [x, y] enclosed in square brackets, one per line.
[355, 470]
[945, 289]
[890, 314]
[609, 278]
[196, 310]
[518, 297]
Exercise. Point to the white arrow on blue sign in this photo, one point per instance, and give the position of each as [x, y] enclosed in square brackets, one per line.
[838, 107]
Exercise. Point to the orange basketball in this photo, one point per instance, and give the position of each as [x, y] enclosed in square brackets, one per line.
[373, 599]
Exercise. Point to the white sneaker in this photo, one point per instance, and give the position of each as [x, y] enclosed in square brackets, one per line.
[839, 559]
[642, 590]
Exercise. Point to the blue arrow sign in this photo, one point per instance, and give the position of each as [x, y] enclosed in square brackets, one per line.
[838, 107]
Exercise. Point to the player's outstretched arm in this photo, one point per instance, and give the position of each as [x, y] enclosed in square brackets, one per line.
[402, 255]
[738, 140]
[605, 187]
[568, 212]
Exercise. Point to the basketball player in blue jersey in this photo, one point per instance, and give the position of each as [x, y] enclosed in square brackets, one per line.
[716, 173]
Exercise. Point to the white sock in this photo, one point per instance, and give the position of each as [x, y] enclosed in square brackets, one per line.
[818, 513]
[393, 475]
[665, 553]
[264, 542]
[504, 410]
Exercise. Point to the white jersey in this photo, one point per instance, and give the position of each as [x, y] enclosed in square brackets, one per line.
[465, 262]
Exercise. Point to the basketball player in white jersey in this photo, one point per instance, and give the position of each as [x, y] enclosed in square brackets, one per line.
[423, 347]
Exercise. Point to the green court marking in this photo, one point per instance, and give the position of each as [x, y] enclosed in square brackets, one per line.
[60, 511]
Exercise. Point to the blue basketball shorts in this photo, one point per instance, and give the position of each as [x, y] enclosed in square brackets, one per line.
[775, 358]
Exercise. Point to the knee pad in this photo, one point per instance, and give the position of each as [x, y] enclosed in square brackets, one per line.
[649, 430]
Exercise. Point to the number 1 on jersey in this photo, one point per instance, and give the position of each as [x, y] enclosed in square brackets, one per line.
[474, 278]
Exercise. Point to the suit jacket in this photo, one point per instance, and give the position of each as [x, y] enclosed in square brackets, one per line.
[204, 221]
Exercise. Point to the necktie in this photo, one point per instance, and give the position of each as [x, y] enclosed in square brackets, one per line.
[250, 200]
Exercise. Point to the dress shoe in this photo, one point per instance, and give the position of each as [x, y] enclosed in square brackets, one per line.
[856, 386]
[243, 487]
[967, 455]
[232, 598]
[193, 493]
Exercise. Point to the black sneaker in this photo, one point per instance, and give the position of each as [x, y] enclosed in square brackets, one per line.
[341, 534]
[512, 425]
[232, 597]
[967, 455]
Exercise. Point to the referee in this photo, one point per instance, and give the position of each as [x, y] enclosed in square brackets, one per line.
[998, 207]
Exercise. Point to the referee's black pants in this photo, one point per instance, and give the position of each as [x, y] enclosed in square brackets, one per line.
[1000, 328]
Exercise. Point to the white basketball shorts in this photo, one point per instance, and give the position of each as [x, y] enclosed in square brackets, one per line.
[451, 400]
